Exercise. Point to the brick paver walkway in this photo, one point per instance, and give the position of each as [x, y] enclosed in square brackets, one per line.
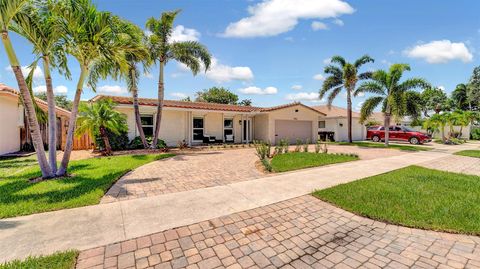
[303, 232]
[206, 169]
[456, 164]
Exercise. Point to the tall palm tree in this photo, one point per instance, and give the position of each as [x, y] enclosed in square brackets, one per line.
[137, 55]
[39, 26]
[92, 40]
[9, 10]
[98, 118]
[344, 75]
[162, 49]
[391, 94]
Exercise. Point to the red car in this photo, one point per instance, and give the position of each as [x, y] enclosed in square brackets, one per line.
[399, 133]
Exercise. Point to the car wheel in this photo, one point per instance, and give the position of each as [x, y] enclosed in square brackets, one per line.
[414, 141]
[376, 138]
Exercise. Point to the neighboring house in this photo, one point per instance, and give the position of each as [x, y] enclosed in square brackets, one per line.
[198, 122]
[334, 125]
[14, 131]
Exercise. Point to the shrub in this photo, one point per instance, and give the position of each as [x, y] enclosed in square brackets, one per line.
[117, 141]
[305, 147]
[136, 143]
[267, 165]
[298, 147]
[475, 134]
[262, 149]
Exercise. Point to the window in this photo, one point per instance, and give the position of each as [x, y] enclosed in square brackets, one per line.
[147, 124]
[197, 129]
[321, 124]
[227, 127]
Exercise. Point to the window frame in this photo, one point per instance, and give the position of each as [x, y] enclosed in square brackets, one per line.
[148, 126]
[227, 128]
[197, 128]
[324, 124]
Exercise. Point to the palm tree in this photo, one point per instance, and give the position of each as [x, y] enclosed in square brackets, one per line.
[346, 76]
[98, 118]
[99, 49]
[38, 25]
[162, 49]
[9, 12]
[437, 123]
[135, 56]
[391, 94]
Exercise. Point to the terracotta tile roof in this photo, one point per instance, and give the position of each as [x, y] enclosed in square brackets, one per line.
[290, 105]
[335, 111]
[42, 104]
[195, 105]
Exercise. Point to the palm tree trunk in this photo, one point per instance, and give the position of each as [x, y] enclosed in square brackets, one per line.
[349, 115]
[29, 107]
[136, 109]
[52, 119]
[161, 93]
[386, 125]
[108, 148]
[71, 123]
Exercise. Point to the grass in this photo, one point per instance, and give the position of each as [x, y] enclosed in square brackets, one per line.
[414, 197]
[59, 260]
[298, 160]
[382, 145]
[90, 179]
[469, 153]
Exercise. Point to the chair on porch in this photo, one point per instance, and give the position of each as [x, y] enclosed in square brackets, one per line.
[229, 138]
[209, 138]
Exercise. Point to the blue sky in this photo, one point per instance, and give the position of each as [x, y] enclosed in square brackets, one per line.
[274, 51]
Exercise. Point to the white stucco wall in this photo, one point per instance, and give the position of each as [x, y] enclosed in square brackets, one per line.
[9, 130]
[261, 127]
[341, 132]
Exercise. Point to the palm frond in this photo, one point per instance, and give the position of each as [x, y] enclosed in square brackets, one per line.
[370, 87]
[330, 83]
[363, 60]
[369, 106]
[339, 60]
[413, 83]
[191, 53]
[333, 95]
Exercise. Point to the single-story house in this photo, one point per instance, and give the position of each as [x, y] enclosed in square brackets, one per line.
[199, 122]
[15, 134]
[334, 125]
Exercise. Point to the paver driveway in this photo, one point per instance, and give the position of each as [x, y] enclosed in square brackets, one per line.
[456, 164]
[207, 169]
[303, 232]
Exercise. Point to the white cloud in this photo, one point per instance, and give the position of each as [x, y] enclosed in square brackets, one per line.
[273, 17]
[441, 51]
[252, 90]
[297, 87]
[327, 61]
[318, 77]
[318, 25]
[358, 107]
[224, 73]
[61, 89]
[305, 96]
[111, 89]
[180, 34]
[37, 74]
[148, 75]
[179, 95]
[441, 87]
[339, 22]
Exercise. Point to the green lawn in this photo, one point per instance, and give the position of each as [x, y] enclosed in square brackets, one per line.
[414, 197]
[90, 179]
[298, 160]
[60, 260]
[382, 145]
[469, 153]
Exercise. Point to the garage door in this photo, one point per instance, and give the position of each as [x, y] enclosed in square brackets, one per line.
[293, 130]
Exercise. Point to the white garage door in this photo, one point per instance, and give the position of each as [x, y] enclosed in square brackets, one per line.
[293, 130]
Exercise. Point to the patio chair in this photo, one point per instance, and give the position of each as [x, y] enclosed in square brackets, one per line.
[209, 138]
[229, 138]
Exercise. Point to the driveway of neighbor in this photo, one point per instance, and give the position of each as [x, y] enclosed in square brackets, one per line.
[204, 169]
[456, 164]
[103, 224]
[302, 232]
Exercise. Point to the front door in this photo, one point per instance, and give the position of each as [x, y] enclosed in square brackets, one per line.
[246, 131]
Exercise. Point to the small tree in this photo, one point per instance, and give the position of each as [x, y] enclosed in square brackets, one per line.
[217, 95]
[99, 118]
[437, 123]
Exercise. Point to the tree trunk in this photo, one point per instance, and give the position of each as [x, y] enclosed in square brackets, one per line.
[71, 123]
[161, 92]
[136, 109]
[52, 119]
[108, 148]
[349, 115]
[443, 134]
[29, 107]
[386, 125]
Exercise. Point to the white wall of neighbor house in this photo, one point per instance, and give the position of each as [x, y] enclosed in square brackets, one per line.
[294, 113]
[465, 131]
[10, 130]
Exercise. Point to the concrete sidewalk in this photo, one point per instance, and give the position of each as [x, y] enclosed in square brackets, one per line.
[88, 227]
